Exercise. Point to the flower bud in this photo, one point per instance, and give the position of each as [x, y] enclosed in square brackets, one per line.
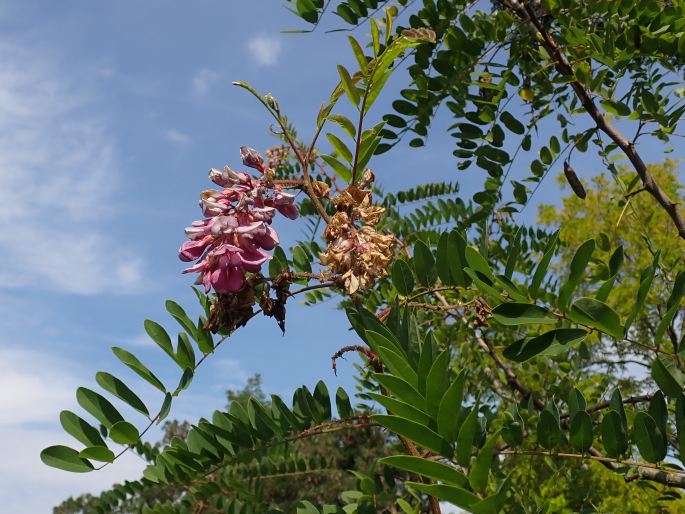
[227, 177]
[271, 102]
[251, 158]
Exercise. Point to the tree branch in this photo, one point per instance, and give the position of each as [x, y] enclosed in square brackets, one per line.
[538, 31]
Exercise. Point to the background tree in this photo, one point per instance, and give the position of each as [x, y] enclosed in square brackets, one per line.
[615, 218]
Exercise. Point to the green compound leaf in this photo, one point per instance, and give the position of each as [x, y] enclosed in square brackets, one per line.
[427, 468]
[159, 335]
[580, 431]
[98, 407]
[65, 458]
[401, 408]
[340, 169]
[416, 432]
[614, 436]
[522, 314]
[400, 388]
[124, 432]
[667, 376]
[478, 477]
[166, 407]
[578, 264]
[450, 406]
[99, 453]
[527, 348]
[454, 495]
[138, 367]
[548, 430]
[542, 267]
[115, 386]
[467, 437]
[512, 123]
[342, 403]
[436, 382]
[344, 122]
[649, 439]
[81, 430]
[424, 264]
[402, 277]
[598, 315]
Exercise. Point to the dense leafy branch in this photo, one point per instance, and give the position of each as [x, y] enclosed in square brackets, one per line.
[562, 65]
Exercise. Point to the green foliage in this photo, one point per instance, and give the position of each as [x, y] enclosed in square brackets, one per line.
[489, 347]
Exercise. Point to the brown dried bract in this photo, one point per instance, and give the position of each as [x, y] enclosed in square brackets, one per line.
[483, 314]
[275, 307]
[422, 34]
[278, 156]
[356, 251]
[231, 310]
[321, 189]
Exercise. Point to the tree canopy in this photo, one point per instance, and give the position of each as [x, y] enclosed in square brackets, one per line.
[506, 366]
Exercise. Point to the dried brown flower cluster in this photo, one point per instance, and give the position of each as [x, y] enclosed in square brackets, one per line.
[277, 156]
[356, 250]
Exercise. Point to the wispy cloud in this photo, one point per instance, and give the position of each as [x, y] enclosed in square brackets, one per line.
[38, 384]
[231, 369]
[41, 385]
[265, 49]
[177, 137]
[57, 174]
[204, 80]
[233, 374]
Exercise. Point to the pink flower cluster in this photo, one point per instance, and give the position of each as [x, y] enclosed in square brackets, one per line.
[232, 239]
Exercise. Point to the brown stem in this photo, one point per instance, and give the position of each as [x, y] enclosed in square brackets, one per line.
[289, 183]
[631, 400]
[627, 196]
[373, 358]
[304, 164]
[363, 419]
[431, 291]
[315, 286]
[359, 136]
[677, 477]
[411, 448]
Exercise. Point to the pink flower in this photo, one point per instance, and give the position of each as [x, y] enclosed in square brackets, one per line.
[191, 250]
[228, 177]
[289, 211]
[233, 238]
[251, 158]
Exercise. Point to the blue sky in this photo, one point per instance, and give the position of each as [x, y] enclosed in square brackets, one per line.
[111, 113]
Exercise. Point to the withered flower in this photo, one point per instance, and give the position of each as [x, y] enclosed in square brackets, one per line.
[356, 251]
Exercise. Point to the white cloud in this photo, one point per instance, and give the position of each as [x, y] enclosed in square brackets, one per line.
[39, 384]
[204, 80]
[265, 49]
[179, 138]
[57, 175]
[40, 387]
[30, 487]
[142, 340]
[232, 370]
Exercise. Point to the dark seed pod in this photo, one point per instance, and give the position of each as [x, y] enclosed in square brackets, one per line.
[573, 181]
